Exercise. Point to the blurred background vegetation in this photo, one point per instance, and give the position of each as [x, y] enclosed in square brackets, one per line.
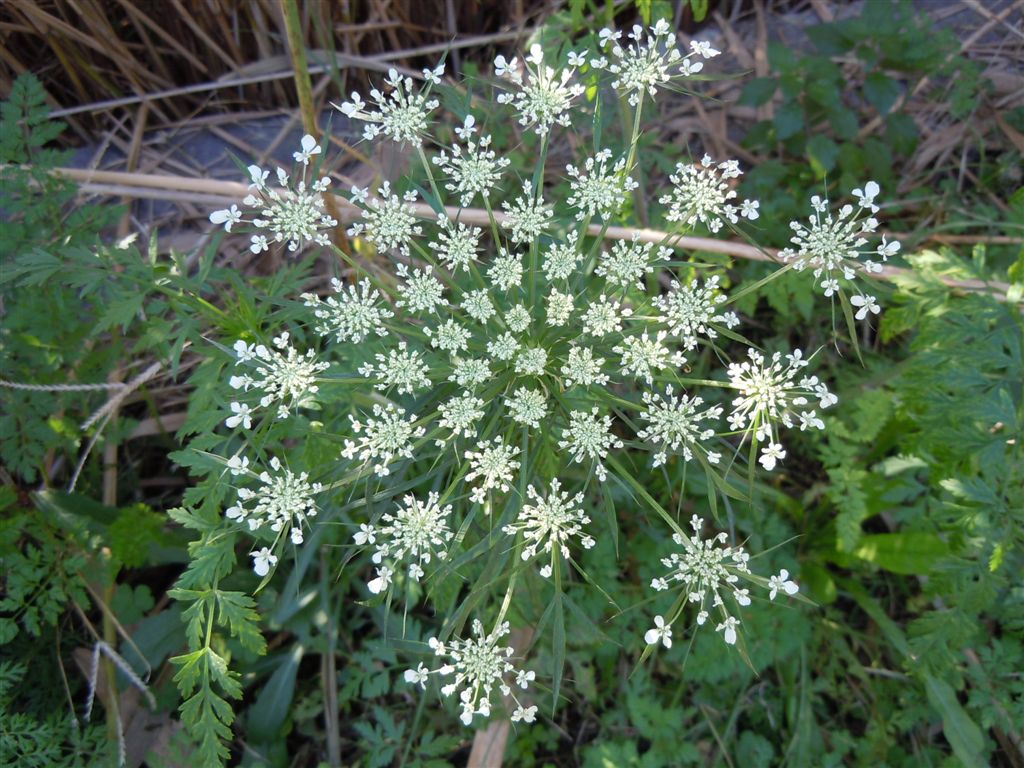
[907, 515]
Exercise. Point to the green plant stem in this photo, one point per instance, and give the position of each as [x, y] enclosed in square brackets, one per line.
[330, 673]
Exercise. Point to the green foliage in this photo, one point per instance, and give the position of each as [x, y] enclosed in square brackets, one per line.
[887, 53]
[38, 572]
[42, 336]
[48, 739]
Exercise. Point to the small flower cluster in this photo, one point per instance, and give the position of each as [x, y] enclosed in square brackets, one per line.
[477, 668]
[702, 193]
[356, 313]
[418, 532]
[769, 394]
[542, 95]
[280, 373]
[384, 437]
[283, 502]
[675, 422]
[472, 170]
[832, 247]
[402, 114]
[549, 523]
[709, 572]
[389, 222]
[599, 189]
[690, 311]
[650, 60]
[295, 215]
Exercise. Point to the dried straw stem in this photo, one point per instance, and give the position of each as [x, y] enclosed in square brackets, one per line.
[157, 186]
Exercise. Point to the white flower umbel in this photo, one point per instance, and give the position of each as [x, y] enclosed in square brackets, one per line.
[420, 291]
[477, 668]
[589, 436]
[527, 216]
[549, 523]
[676, 423]
[526, 406]
[283, 501]
[279, 373]
[561, 258]
[415, 534]
[506, 271]
[583, 369]
[460, 414]
[604, 316]
[690, 311]
[650, 60]
[388, 220]
[560, 307]
[385, 436]
[770, 394]
[456, 245]
[517, 318]
[703, 193]
[478, 305]
[400, 369]
[834, 247]
[709, 573]
[475, 170]
[353, 315]
[629, 261]
[294, 214]
[448, 337]
[402, 113]
[541, 95]
[642, 356]
[597, 189]
[531, 361]
[470, 372]
[503, 348]
[493, 466]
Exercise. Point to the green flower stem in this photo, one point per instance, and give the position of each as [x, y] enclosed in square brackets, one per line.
[430, 176]
[538, 183]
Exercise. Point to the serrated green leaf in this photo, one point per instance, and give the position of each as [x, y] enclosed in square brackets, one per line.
[121, 312]
[190, 670]
[238, 610]
[758, 91]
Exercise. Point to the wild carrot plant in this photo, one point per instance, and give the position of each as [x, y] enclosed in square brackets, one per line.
[489, 367]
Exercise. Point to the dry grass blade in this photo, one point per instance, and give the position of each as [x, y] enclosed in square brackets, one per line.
[104, 50]
[149, 185]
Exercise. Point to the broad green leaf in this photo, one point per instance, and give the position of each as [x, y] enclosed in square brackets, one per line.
[823, 154]
[912, 552]
[962, 733]
[268, 713]
[881, 91]
[758, 91]
[789, 120]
